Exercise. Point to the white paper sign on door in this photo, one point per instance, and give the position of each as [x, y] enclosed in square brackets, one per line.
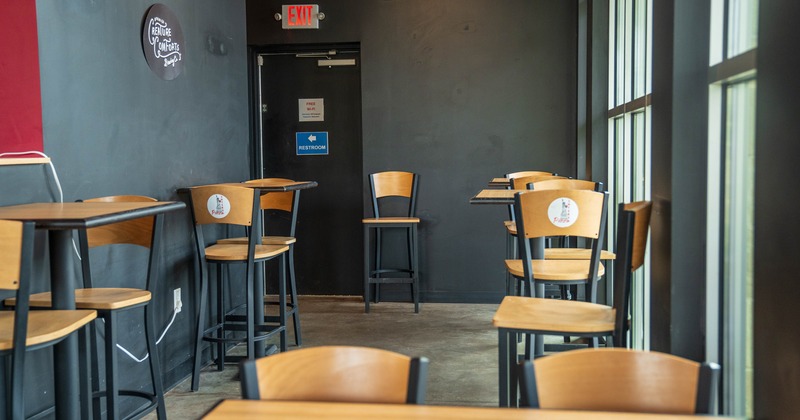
[311, 109]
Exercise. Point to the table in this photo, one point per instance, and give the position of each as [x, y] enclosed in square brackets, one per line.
[494, 196]
[499, 183]
[264, 186]
[60, 219]
[258, 409]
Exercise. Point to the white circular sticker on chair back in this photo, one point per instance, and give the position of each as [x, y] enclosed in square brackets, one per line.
[218, 206]
[563, 212]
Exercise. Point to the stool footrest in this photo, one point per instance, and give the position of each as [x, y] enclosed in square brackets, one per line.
[391, 280]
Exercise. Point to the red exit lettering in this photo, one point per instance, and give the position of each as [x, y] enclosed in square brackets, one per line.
[299, 15]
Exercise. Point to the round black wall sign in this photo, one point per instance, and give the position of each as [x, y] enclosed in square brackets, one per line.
[162, 42]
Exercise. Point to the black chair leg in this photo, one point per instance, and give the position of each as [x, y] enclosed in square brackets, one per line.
[84, 349]
[201, 316]
[414, 257]
[298, 340]
[221, 318]
[282, 299]
[112, 380]
[155, 365]
[378, 246]
[367, 255]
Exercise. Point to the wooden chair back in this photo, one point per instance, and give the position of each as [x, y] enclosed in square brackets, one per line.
[521, 183]
[610, 379]
[394, 184]
[633, 221]
[12, 236]
[136, 232]
[286, 202]
[518, 174]
[140, 232]
[560, 213]
[336, 374]
[224, 204]
[564, 184]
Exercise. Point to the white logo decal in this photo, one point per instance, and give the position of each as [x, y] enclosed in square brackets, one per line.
[563, 212]
[218, 206]
[160, 36]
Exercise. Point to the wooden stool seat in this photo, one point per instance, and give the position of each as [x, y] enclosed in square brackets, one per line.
[44, 326]
[555, 270]
[547, 315]
[265, 240]
[238, 252]
[96, 298]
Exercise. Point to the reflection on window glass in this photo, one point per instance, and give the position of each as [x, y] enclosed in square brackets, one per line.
[738, 245]
[742, 26]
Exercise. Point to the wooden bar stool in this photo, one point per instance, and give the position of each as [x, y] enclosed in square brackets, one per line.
[22, 330]
[285, 204]
[384, 185]
[143, 233]
[234, 205]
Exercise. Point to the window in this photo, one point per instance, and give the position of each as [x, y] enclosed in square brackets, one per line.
[630, 86]
[732, 98]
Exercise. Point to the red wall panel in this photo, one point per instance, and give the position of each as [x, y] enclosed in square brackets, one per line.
[20, 91]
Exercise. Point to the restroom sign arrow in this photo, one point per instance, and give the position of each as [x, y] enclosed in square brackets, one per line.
[312, 143]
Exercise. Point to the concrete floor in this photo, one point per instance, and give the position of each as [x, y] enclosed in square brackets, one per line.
[459, 340]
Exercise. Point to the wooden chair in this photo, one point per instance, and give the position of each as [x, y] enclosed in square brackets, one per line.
[558, 317]
[22, 330]
[384, 185]
[519, 181]
[280, 205]
[233, 205]
[110, 301]
[336, 374]
[619, 380]
[579, 213]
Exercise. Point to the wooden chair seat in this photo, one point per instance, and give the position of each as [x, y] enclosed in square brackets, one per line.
[554, 270]
[391, 220]
[44, 326]
[575, 254]
[238, 252]
[546, 315]
[265, 240]
[100, 298]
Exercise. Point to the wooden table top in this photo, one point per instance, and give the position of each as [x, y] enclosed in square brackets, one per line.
[80, 215]
[267, 185]
[494, 196]
[254, 409]
[500, 183]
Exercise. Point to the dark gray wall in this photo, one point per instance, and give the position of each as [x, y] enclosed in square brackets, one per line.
[112, 126]
[776, 310]
[458, 92]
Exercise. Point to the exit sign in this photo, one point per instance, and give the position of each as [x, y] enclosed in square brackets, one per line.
[300, 16]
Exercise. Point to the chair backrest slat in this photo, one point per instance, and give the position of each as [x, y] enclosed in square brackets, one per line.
[633, 221]
[559, 213]
[276, 200]
[565, 184]
[136, 232]
[518, 174]
[614, 380]
[11, 234]
[226, 204]
[393, 183]
[332, 374]
[521, 183]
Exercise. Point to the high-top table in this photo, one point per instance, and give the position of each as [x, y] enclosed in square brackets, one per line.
[499, 183]
[264, 186]
[494, 196]
[259, 409]
[59, 220]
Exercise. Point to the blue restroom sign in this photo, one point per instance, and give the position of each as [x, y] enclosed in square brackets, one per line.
[312, 143]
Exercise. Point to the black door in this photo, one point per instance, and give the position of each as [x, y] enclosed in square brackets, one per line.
[305, 95]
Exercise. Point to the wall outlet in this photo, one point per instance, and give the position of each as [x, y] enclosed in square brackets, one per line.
[176, 301]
